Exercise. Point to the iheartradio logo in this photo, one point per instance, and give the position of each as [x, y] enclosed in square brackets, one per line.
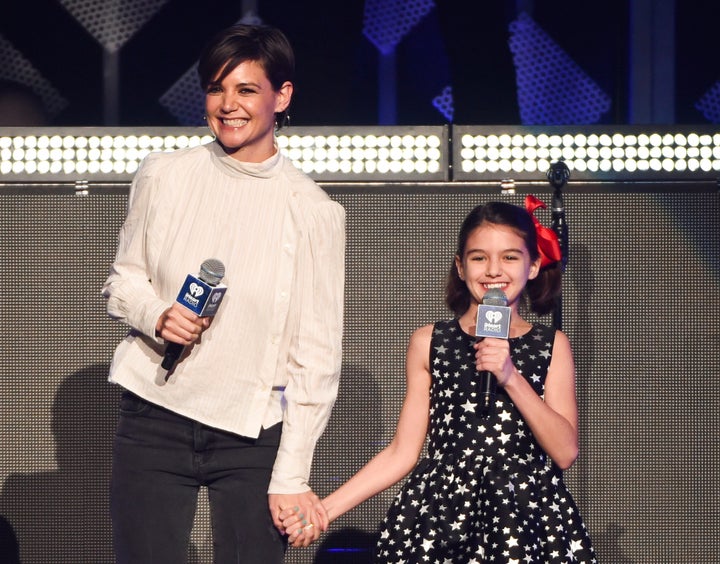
[196, 290]
[493, 321]
[199, 297]
[493, 316]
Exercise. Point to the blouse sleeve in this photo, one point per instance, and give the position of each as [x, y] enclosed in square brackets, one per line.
[315, 356]
[128, 288]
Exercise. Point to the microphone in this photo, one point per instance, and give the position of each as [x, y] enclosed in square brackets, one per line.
[202, 295]
[493, 320]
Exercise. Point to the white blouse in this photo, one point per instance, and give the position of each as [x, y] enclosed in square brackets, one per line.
[279, 327]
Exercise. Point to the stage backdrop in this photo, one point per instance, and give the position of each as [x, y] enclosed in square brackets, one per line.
[641, 305]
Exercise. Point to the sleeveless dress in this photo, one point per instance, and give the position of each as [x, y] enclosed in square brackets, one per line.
[486, 492]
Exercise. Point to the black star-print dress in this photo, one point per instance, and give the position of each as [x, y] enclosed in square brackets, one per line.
[486, 491]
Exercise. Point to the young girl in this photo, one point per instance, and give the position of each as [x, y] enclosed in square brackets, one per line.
[491, 487]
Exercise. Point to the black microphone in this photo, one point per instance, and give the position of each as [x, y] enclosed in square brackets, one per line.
[201, 295]
[493, 320]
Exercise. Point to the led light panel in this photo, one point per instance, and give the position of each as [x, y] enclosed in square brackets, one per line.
[324, 153]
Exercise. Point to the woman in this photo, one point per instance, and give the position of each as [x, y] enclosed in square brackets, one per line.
[241, 411]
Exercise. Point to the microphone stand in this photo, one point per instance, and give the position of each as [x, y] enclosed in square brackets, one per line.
[558, 175]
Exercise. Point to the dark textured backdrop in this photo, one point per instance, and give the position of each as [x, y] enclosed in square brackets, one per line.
[641, 308]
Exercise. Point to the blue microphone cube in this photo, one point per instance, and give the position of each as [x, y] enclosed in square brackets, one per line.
[199, 297]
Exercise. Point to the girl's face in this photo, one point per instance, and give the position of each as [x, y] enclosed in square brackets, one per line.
[496, 257]
[241, 111]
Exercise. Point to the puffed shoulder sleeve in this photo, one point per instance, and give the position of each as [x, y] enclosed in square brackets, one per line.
[128, 289]
[315, 355]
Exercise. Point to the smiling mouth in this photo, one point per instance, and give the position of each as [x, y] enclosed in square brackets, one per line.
[495, 285]
[234, 122]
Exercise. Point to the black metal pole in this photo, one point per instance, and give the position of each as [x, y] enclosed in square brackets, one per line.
[558, 175]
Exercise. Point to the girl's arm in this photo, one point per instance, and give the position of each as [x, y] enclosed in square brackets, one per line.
[553, 421]
[394, 462]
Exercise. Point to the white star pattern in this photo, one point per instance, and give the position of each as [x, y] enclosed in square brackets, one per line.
[486, 493]
[427, 544]
[469, 406]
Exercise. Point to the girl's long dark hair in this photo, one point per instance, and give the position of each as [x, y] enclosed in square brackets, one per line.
[542, 292]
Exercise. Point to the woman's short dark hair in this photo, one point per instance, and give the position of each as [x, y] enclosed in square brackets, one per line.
[234, 45]
[542, 292]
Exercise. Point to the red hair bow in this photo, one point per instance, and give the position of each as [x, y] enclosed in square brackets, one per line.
[547, 240]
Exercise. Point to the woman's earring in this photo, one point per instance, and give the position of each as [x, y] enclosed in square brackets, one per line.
[210, 128]
[285, 117]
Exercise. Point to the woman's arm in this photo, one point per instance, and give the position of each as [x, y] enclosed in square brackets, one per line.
[314, 361]
[131, 297]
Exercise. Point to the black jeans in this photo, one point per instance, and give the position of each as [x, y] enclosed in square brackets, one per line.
[160, 460]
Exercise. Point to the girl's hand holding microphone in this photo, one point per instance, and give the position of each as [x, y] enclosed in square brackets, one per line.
[493, 355]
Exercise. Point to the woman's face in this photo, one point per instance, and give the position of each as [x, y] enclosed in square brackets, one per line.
[241, 111]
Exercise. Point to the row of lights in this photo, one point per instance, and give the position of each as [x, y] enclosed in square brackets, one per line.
[359, 154]
[56, 154]
[412, 154]
[416, 154]
[592, 153]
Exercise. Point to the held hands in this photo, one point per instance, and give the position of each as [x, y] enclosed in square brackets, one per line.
[301, 517]
[178, 324]
[493, 355]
